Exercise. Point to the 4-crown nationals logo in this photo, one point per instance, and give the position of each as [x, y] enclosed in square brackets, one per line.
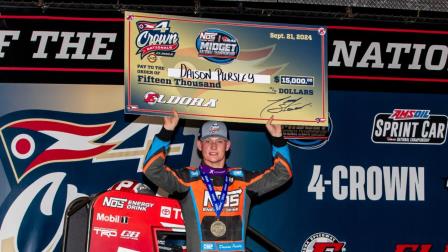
[155, 37]
[50, 158]
[409, 126]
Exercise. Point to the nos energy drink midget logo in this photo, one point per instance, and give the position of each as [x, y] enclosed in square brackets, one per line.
[409, 126]
[217, 46]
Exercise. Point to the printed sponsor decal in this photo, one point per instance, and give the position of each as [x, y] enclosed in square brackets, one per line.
[152, 98]
[138, 205]
[130, 235]
[232, 203]
[217, 46]
[156, 38]
[207, 245]
[131, 186]
[112, 218]
[114, 202]
[105, 232]
[171, 212]
[322, 242]
[409, 126]
[165, 212]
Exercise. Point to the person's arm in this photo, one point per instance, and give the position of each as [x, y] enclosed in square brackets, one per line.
[154, 167]
[261, 182]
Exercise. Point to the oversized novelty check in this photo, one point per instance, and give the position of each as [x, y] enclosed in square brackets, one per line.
[211, 69]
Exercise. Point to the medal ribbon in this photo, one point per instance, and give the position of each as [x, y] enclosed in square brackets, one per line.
[218, 204]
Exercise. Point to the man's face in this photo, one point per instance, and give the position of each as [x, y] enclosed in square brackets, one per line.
[214, 150]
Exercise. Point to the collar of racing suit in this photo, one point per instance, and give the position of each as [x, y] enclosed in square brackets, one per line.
[213, 171]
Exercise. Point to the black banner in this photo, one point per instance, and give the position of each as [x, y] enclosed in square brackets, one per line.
[374, 53]
[55, 49]
[48, 49]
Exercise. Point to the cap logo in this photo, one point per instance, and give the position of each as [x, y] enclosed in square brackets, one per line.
[214, 128]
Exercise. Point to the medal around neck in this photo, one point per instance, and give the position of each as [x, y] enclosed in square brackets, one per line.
[218, 228]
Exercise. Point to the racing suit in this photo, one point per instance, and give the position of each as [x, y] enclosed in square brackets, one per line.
[197, 209]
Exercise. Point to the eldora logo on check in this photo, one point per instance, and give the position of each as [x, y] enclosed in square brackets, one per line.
[152, 98]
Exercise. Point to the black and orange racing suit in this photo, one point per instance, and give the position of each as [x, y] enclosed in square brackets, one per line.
[197, 209]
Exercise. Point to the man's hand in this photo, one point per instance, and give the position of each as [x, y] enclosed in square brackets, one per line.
[274, 129]
[170, 122]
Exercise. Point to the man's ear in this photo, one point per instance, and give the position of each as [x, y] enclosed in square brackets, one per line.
[228, 144]
[199, 145]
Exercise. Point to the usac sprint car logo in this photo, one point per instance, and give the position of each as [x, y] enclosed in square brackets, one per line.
[409, 126]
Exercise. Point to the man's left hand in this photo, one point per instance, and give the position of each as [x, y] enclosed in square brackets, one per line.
[274, 129]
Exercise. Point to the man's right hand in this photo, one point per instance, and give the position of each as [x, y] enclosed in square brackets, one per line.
[170, 122]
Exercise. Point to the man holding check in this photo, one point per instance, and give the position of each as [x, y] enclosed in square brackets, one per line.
[216, 198]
